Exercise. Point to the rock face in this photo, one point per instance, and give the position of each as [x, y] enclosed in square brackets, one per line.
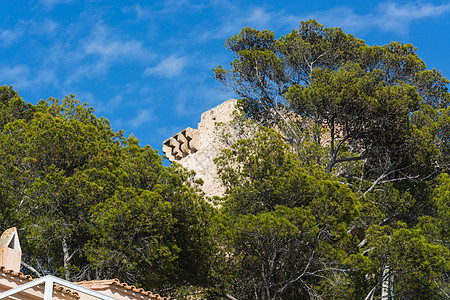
[195, 149]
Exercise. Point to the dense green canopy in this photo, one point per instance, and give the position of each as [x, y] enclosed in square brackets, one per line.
[362, 148]
[92, 204]
[340, 189]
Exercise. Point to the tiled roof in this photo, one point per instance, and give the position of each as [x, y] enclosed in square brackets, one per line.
[125, 286]
[20, 275]
[115, 282]
[56, 287]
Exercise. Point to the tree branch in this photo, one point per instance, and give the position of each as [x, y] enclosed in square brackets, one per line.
[228, 296]
[30, 268]
[334, 154]
[384, 175]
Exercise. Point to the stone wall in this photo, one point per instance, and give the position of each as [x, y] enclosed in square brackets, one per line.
[195, 149]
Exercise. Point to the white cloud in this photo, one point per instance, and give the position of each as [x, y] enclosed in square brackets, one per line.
[24, 28]
[259, 16]
[46, 76]
[256, 17]
[180, 106]
[414, 11]
[52, 3]
[142, 117]
[115, 101]
[45, 27]
[17, 75]
[99, 105]
[166, 8]
[387, 17]
[197, 96]
[104, 43]
[142, 13]
[398, 18]
[102, 49]
[168, 67]
[110, 49]
[22, 77]
[12, 34]
[7, 37]
[110, 105]
[342, 17]
[85, 97]
[168, 131]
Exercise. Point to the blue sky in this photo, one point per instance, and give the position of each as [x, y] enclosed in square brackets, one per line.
[146, 65]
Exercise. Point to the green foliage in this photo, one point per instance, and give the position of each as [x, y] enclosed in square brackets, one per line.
[282, 222]
[354, 105]
[359, 102]
[273, 253]
[12, 106]
[261, 173]
[92, 204]
[343, 194]
[154, 229]
[416, 263]
[364, 135]
[442, 202]
[294, 232]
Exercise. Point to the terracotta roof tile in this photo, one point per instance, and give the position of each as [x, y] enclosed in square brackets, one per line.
[56, 287]
[125, 286]
[69, 292]
[16, 274]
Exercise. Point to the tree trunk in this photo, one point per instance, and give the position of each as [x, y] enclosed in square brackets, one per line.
[66, 259]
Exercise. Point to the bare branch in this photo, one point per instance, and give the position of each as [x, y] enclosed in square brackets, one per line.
[29, 267]
[228, 296]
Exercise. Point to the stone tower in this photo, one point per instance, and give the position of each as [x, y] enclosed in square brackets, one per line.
[195, 149]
